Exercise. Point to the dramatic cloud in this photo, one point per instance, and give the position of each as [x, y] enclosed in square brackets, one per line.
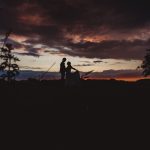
[28, 50]
[86, 28]
[109, 49]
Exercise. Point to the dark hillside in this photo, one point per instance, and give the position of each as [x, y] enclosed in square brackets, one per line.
[79, 117]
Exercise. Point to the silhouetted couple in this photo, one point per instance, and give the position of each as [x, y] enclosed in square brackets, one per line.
[66, 71]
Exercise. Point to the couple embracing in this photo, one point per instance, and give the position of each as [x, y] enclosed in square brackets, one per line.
[66, 71]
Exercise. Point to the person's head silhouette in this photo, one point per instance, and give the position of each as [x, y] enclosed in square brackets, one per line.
[64, 59]
[69, 63]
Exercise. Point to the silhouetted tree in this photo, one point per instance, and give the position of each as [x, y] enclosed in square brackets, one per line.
[146, 64]
[8, 65]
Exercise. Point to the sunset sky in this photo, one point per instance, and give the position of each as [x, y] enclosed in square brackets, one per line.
[107, 36]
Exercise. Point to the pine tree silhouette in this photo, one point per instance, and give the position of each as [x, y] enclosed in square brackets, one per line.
[146, 64]
[8, 66]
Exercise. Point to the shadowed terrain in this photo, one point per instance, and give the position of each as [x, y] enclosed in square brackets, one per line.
[74, 117]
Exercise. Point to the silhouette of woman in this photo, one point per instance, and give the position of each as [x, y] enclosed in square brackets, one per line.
[68, 70]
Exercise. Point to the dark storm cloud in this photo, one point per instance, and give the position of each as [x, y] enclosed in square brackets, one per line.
[29, 49]
[97, 61]
[110, 49]
[13, 42]
[56, 22]
[28, 54]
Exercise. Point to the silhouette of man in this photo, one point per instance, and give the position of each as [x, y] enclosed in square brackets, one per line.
[63, 69]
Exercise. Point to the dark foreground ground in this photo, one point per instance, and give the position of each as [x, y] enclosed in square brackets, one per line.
[94, 115]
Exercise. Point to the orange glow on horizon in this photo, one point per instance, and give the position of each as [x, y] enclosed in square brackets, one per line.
[128, 79]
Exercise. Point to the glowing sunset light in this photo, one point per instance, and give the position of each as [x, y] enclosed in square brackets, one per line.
[106, 37]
